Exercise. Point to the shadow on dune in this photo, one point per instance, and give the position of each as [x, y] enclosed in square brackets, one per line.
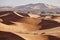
[53, 37]
[9, 36]
[47, 24]
[9, 18]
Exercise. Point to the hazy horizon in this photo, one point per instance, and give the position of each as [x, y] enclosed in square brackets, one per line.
[24, 2]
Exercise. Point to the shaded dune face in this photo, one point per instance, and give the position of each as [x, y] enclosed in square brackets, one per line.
[10, 18]
[53, 37]
[9, 36]
[47, 24]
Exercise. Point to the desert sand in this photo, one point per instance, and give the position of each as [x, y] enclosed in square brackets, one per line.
[19, 27]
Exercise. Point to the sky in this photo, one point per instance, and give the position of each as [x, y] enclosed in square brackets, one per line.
[24, 2]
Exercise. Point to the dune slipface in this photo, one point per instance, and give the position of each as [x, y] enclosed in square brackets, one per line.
[9, 36]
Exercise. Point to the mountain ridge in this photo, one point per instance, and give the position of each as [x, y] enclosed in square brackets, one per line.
[34, 8]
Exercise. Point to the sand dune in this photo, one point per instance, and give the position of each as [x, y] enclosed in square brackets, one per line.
[29, 28]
